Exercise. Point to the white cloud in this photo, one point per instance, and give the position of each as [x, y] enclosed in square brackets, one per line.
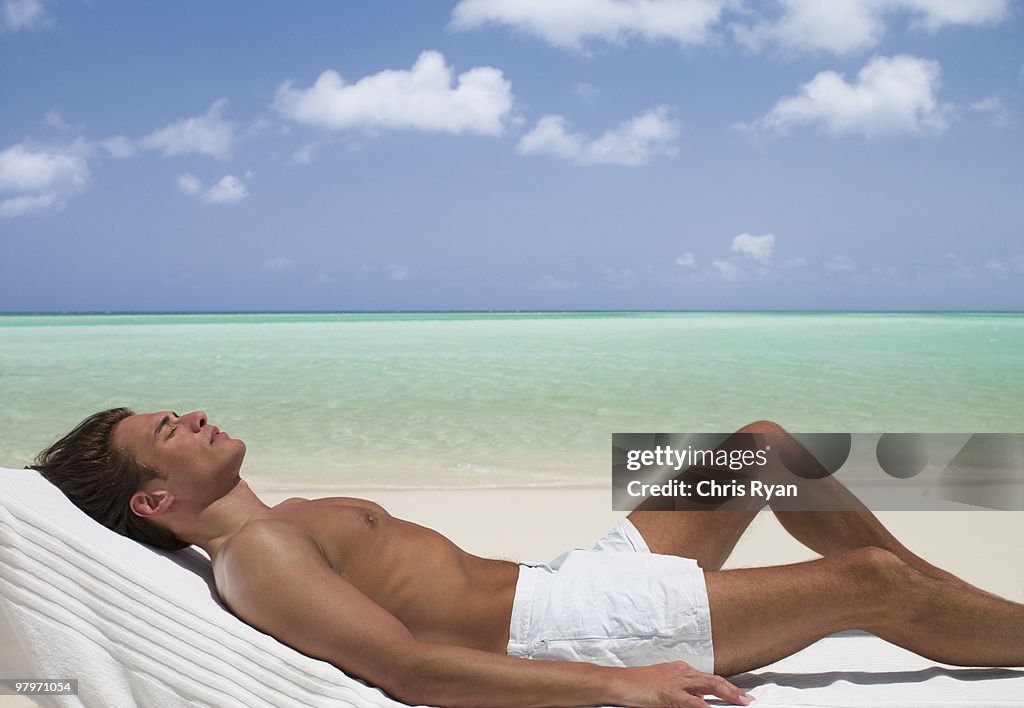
[843, 26]
[887, 272]
[304, 155]
[995, 266]
[960, 269]
[16, 206]
[798, 262]
[118, 146]
[994, 107]
[208, 134]
[687, 260]
[25, 170]
[422, 98]
[754, 261]
[55, 120]
[278, 263]
[619, 277]
[25, 14]
[189, 184]
[567, 23]
[757, 247]
[838, 26]
[393, 270]
[229, 190]
[39, 179]
[934, 14]
[550, 282]
[727, 270]
[397, 271]
[840, 264]
[635, 142]
[892, 95]
[551, 136]
[587, 91]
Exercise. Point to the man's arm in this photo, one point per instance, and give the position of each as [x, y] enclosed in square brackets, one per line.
[276, 578]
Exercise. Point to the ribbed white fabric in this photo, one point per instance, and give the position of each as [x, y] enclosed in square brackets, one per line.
[138, 626]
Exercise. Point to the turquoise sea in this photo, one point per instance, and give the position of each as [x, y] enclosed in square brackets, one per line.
[414, 400]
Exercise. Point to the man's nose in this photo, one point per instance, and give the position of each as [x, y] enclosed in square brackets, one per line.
[196, 420]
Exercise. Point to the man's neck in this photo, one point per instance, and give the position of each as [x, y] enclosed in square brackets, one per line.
[222, 519]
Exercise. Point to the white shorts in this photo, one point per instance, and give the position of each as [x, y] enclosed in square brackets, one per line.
[617, 604]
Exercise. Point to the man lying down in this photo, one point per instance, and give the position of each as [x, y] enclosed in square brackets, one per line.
[646, 618]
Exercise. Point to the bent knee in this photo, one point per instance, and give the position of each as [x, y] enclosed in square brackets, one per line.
[875, 559]
[877, 570]
[762, 426]
[892, 591]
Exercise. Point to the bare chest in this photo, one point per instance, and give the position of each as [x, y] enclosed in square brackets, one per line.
[375, 551]
[438, 590]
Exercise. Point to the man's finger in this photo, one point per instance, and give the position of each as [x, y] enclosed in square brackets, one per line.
[692, 701]
[719, 687]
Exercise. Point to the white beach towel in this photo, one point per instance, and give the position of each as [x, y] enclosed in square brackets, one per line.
[859, 670]
[138, 626]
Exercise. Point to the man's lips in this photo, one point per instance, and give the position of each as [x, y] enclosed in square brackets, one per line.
[214, 432]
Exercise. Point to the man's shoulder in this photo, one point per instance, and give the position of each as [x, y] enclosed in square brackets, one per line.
[260, 551]
[265, 538]
[302, 505]
[265, 533]
[300, 528]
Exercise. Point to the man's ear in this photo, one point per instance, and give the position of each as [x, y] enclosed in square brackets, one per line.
[151, 504]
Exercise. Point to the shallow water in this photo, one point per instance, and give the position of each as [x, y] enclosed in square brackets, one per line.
[499, 399]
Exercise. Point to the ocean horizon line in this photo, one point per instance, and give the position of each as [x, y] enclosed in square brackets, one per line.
[498, 311]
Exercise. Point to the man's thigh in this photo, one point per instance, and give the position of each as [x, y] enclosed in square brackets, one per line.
[761, 615]
[706, 528]
[706, 536]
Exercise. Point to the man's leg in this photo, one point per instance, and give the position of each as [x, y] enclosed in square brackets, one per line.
[832, 532]
[760, 615]
[709, 536]
[706, 535]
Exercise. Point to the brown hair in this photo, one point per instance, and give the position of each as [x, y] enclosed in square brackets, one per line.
[101, 478]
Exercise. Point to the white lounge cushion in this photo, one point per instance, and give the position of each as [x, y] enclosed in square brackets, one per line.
[136, 625]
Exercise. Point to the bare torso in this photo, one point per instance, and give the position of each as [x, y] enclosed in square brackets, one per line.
[441, 593]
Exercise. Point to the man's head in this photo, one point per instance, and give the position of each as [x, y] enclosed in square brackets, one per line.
[128, 470]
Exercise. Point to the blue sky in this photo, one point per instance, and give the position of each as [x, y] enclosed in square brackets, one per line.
[511, 154]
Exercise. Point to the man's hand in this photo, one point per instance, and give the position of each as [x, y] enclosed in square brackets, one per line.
[678, 685]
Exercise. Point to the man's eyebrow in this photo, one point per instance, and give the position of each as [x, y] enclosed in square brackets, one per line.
[162, 423]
